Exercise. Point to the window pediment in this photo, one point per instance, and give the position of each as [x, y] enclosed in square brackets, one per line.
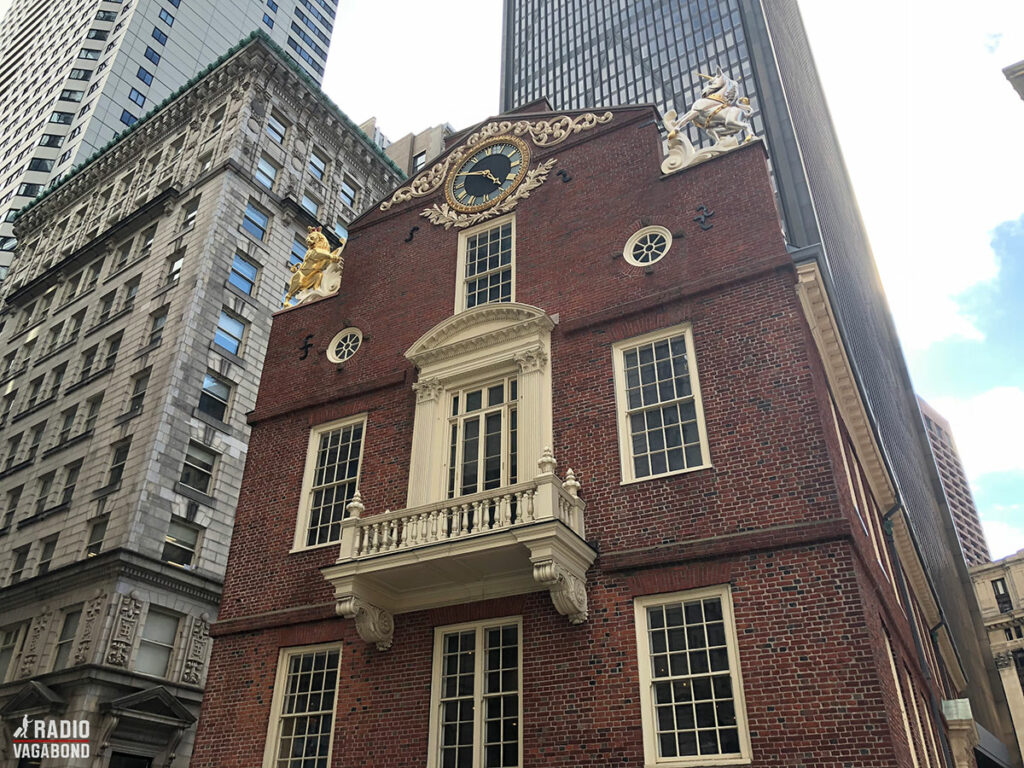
[487, 330]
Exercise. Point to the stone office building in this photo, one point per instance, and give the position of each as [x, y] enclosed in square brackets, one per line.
[135, 323]
[600, 491]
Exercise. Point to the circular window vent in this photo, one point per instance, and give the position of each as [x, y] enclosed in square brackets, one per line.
[344, 345]
[647, 246]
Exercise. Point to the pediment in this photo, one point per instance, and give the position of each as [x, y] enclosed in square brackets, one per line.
[157, 701]
[482, 326]
[32, 698]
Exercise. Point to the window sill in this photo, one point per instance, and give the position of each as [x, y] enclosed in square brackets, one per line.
[192, 493]
[77, 297]
[106, 490]
[89, 379]
[247, 298]
[40, 516]
[15, 468]
[124, 418]
[27, 328]
[55, 351]
[68, 443]
[211, 421]
[13, 375]
[110, 319]
[147, 349]
[663, 475]
[166, 287]
[37, 407]
[229, 356]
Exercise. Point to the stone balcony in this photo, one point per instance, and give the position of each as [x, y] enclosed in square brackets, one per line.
[512, 540]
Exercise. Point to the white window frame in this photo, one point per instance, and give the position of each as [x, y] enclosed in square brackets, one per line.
[434, 745]
[647, 714]
[306, 497]
[621, 404]
[277, 702]
[460, 268]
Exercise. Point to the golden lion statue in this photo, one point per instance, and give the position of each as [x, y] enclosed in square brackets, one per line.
[308, 275]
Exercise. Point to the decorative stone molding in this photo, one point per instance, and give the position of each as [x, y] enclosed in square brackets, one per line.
[94, 609]
[36, 633]
[533, 359]
[447, 216]
[543, 133]
[963, 733]
[428, 390]
[568, 590]
[373, 624]
[123, 637]
[547, 462]
[196, 650]
[1003, 660]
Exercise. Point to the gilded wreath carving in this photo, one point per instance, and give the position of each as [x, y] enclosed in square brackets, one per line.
[543, 133]
[446, 215]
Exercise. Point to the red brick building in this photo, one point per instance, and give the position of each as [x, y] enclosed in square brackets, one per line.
[723, 577]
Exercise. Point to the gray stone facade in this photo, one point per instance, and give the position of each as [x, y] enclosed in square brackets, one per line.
[121, 382]
[96, 66]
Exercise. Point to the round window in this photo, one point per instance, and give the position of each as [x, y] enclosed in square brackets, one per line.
[344, 345]
[647, 246]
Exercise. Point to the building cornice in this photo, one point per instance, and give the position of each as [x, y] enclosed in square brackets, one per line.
[107, 566]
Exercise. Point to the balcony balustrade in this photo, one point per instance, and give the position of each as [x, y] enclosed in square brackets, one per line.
[511, 540]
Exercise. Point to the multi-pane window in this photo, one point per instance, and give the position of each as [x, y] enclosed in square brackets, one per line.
[418, 161]
[145, 75]
[482, 434]
[45, 485]
[1003, 601]
[166, 18]
[94, 543]
[11, 506]
[230, 332]
[67, 424]
[131, 290]
[255, 222]
[66, 638]
[486, 259]
[332, 472]
[243, 275]
[174, 263]
[156, 327]
[113, 347]
[266, 172]
[317, 166]
[298, 251]
[691, 697]
[46, 555]
[476, 706]
[135, 95]
[139, 384]
[157, 643]
[276, 129]
[18, 566]
[159, 35]
[13, 443]
[213, 400]
[661, 421]
[190, 213]
[117, 462]
[197, 471]
[35, 440]
[152, 55]
[9, 638]
[71, 473]
[349, 191]
[92, 412]
[311, 204]
[302, 723]
[180, 543]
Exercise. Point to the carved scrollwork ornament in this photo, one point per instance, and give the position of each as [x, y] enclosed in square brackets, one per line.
[568, 590]
[447, 216]
[374, 625]
[428, 390]
[530, 360]
[1003, 660]
[543, 133]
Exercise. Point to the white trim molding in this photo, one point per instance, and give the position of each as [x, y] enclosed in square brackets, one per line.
[665, 656]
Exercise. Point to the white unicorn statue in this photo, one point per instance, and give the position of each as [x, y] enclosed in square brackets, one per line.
[720, 112]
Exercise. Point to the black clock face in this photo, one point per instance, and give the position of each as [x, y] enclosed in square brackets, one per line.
[488, 175]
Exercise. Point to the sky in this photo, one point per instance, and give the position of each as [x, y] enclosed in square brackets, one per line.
[930, 130]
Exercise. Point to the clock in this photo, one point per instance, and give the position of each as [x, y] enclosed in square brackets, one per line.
[489, 175]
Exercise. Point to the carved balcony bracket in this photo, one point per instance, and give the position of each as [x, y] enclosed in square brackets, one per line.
[374, 625]
[568, 588]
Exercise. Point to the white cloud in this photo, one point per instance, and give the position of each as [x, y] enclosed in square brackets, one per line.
[987, 429]
[924, 123]
[1003, 538]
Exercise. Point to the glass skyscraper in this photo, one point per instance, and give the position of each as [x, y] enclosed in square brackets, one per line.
[584, 54]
